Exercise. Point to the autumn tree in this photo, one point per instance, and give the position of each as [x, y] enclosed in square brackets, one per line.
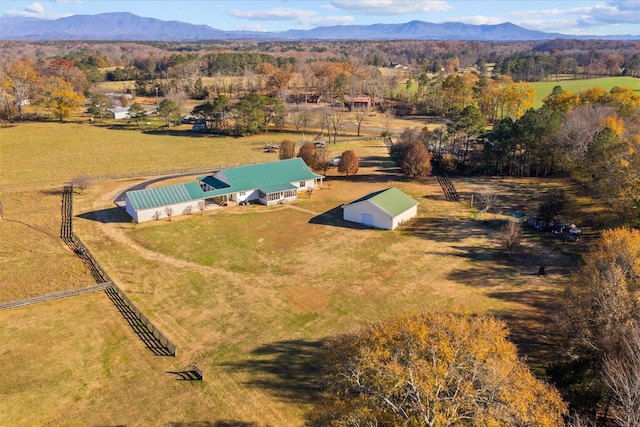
[349, 163]
[416, 161]
[23, 80]
[308, 153]
[603, 298]
[170, 111]
[432, 369]
[60, 98]
[287, 150]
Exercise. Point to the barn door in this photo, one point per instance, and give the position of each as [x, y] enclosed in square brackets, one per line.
[367, 219]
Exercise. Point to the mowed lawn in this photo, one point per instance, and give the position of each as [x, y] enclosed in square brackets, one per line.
[249, 292]
[49, 154]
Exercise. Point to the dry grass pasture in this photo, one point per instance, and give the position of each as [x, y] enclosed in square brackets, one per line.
[247, 292]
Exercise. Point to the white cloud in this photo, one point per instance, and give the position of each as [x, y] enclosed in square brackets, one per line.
[300, 16]
[480, 20]
[35, 8]
[277, 14]
[626, 5]
[563, 26]
[255, 26]
[392, 7]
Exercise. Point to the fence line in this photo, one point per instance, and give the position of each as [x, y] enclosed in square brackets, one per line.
[448, 188]
[194, 170]
[150, 335]
[54, 295]
[117, 295]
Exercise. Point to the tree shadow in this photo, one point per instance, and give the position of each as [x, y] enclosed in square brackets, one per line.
[288, 369]
[107, 216]
[446, 230]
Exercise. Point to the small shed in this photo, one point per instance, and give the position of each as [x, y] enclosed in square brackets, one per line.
[119, 113]
[385, 209]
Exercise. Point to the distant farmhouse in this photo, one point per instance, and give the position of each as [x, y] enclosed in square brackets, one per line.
[266, 183]
[358, 101]
[385, 209]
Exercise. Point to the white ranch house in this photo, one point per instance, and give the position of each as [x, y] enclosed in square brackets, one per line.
[385, 209]
[266, 183]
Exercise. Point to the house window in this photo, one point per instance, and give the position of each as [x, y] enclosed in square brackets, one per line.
[242, 193]
[303, 184]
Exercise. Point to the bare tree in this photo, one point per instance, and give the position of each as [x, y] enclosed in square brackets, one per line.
[82, 182]
[157, 215]
[201, 206]
[578, 421]
[511, 236]
[488, 196]
[169, 212]
[323, 159]
[359, 117]
[188, 210]
[621, 374]
[389, 115]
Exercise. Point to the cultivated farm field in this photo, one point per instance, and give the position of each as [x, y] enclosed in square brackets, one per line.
[543, 89]
[246, 292]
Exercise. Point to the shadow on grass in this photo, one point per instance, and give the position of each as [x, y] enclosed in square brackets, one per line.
[107, 216]
[446, 230]
[287, 369]
[333, 217]
[145, 335]
[223, 423]
[189, 375]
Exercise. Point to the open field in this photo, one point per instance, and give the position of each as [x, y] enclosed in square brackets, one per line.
[543, 89]
[247, 292]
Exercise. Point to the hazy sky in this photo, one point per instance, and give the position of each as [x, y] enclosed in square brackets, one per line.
[581, 17]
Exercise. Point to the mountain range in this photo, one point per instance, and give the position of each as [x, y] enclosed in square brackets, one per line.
[123, 26]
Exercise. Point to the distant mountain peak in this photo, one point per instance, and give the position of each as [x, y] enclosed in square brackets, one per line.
[125, 26]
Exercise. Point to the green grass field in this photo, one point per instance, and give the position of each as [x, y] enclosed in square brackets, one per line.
[247, 292]
[543, 89]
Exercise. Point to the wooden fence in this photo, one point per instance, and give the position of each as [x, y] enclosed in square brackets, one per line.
[448, 189]
[138, 321]
[128, 308]
[194, 170]
[54, 295]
